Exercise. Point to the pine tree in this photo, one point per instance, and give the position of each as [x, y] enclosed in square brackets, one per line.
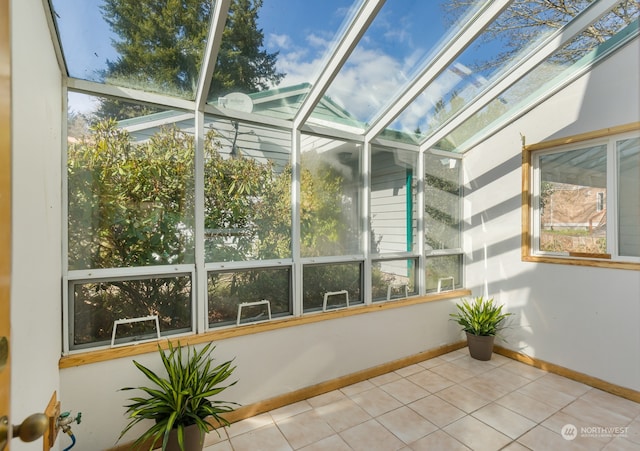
[161, 46]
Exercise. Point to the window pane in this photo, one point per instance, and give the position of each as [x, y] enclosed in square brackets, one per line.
[152, 46]
[393, 193]
[130, 186]
[96, 305]
[444, 272]
[335, 281]
[227, 290]
[573, 185]
[247, 192]
[394, 279]
[442, 202]
[569, 60]
[394, 49]
[269, 55]
[330, 197]
[628, 151]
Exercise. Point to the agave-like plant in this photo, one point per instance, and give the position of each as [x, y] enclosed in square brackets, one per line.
[480, 317]
[182, 397]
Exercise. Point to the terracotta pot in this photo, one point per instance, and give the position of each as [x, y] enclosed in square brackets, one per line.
[480, 346]
[193, 439]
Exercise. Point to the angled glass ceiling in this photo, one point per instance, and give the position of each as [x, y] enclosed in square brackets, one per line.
[441, 73]
[133, 45]
[482, 62]
[401, 40]
[298, 35]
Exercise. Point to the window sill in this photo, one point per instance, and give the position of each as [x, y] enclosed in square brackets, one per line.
[89, 357]
[583, 262]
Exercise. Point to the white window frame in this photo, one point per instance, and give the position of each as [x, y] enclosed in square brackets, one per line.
[608, 137]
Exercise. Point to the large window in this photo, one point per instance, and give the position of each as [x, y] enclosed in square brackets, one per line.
[174, 233]
[443, 235]
[393, 223]
[130, 228]
[330, 184]
[584, 199]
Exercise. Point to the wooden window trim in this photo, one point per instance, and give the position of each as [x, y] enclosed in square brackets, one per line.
[101, 355]
[596, 260]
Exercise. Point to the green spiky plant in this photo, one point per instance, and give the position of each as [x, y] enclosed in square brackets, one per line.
[480, 316]
[182, 397]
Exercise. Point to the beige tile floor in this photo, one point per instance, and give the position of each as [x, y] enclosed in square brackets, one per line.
[451, 402]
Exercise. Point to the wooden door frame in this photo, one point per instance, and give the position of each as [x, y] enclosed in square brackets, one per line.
[5, 203]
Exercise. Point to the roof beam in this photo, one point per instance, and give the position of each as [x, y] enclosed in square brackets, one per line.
[345, 45]
[470, 30]
[520, 68]
[216, 27]
[93, 88]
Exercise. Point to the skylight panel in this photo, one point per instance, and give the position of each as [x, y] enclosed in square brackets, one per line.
[272, 71]
[151, 46]
[565, 64]
[400, 40]
[503, 44]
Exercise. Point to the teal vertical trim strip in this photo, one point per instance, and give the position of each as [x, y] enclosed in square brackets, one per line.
[409, 225]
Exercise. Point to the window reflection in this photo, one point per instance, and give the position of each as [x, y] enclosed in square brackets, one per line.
[394, 279]
[442, 203]
[96, 305]
[331, 286]
[330, 197]
[130, 190]
[247, 192]
[229, 290]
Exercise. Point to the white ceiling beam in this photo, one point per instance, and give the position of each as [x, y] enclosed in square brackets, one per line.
[468, 31]
[55, 37]
[345, 45]
[218, 22]
[93, 88]
[521, 68]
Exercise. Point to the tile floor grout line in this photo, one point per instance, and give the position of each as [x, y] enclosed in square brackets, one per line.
[525, 433]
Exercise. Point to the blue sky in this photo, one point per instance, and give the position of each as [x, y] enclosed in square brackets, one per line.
[403, 34]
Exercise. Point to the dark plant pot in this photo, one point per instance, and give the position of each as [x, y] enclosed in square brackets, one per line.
[480, 346]
[193, 439]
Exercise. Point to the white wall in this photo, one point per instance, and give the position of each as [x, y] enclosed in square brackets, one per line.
[36, 215]
[582, 318]
[268, 364]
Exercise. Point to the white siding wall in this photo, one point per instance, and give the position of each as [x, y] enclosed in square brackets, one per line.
[586, 319]
[36, 216]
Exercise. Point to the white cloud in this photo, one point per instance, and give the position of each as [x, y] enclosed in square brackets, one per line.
[281, 41]
[368, 81]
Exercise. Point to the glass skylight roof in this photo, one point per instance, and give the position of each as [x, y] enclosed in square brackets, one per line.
[391, 77]
[302, 47]
[396, 45]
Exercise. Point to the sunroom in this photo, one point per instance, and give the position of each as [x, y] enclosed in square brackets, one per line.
[312, 187]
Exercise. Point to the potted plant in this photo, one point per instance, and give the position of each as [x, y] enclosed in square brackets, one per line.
[481, 319]
[179, 403]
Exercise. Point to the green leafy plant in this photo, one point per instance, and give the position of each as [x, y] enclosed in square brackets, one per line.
[480, 316]
[182, 397]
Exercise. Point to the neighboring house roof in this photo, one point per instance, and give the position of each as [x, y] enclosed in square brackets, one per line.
[281, 103]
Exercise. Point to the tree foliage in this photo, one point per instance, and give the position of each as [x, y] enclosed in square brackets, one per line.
[131, 204]
[161, 45]
[161, 42]
[243, 64]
